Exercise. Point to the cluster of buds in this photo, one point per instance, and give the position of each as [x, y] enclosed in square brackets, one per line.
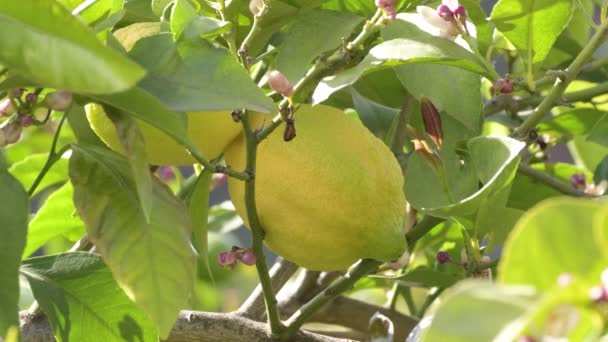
[450, 18]
[502, 86]
[579, 181]
[24, 109]
[230, 258]
[444, 257]
[388, 7]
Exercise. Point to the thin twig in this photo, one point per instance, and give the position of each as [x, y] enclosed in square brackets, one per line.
[257, 232]
[551, 181]
[561, 84]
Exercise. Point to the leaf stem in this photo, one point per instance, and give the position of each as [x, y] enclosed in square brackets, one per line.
[562, 83]
[243, 51]
[361, 269]
[551, 181]
[257, 232]
[229, 36]
[53, 157]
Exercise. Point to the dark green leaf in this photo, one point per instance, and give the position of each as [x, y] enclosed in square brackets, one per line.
[46, 44]
[599, 133]
[601, 171]
[56, 217]
[153, 262]
[376, 117]
[578, 121]
[311, 34]
[196, 76]
[83, 302]
[14, 211]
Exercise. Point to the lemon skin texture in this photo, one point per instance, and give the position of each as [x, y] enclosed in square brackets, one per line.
[211, 132]
[329, 197]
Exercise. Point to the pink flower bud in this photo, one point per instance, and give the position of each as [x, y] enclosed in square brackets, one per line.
[598, 294]
[503, 86]
[7, 108]
[445, 12]
[166, 173]
[227, 259]
[59, 100]
[578, 181]
[443, 257]
[15, 92]
[247, 257]
[432, 121]
[12, 133]
[526, 339]
[279, 83]
[25, 120]
[31, 97]
[565, 279]
[460, 11]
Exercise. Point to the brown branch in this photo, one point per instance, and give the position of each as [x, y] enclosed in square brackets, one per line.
[191, 326]
[280, 273]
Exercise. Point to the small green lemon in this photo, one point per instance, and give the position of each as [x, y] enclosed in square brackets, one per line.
[209, 131]
[331, 196]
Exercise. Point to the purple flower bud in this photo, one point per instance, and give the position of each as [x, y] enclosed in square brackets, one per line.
[12, 133]
[578, 181]
[279, 83]
[31, 97]
[503, 86]
[432, 121]
[247, 257]
[15, 92]
[25, 120]
[166, 173]
[391, 13]
[7, 108]
[445, 12]
[443, 257]
[227, 259]
[460, 11]
[59, 100]
[382, 4]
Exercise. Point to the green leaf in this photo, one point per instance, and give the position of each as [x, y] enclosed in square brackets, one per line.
[424, 277]
[83, 302]
[376, 117]
[482, 26]
[198, 205]
[196, 76]
[587, 154]
[580, 121]
[495, 161]
[599, 133]
[532, 25]
[27, 170]
[132, 141]
[14, 211]
[95, 12]
[601, 171]
[223, 218]
[311, 34]
[491, 307]
[600, 229]
[56, 217]
[187, 24]
[153, 262]
[497, 222]
[159, 6]
[540, 248]
[412, 46]
[42, 41]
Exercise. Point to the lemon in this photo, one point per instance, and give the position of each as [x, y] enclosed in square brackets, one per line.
[331, 196]
[209, 131]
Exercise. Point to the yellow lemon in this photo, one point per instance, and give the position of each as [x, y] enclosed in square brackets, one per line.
[209, 131]
[331, 196]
